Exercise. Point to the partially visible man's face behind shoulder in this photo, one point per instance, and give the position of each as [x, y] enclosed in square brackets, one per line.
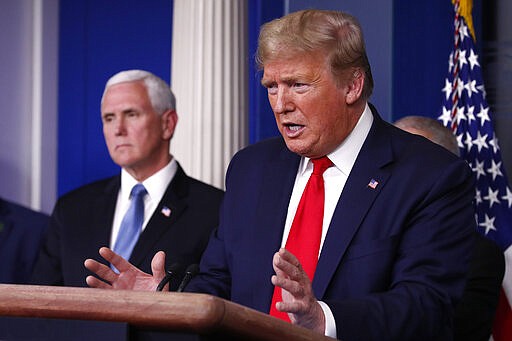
[133, 130]
[310, 109]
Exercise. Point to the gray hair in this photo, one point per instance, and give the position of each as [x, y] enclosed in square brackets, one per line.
[434, 130]
[159, 93]
[335, 33]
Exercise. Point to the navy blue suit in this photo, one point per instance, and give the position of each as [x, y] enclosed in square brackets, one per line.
[81, 223]
[395, 257]
[21, 235]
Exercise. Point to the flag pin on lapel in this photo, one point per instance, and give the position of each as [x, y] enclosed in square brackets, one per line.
[166, 211]
[373, 184]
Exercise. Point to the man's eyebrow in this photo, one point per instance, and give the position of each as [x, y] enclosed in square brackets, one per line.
[125, 111]
[267, 82]
[284, 79]
[129, 110]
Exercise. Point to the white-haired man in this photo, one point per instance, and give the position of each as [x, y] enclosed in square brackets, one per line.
[177, 212]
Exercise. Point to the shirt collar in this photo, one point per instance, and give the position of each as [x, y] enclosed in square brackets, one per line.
[155, 185]
[345, 155]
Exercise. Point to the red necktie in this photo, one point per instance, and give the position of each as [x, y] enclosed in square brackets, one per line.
[306, 231]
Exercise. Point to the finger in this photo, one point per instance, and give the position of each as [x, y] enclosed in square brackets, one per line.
[296, 300]
[158, 266]
[289, 257]
[103, 271]
[293, 308]
[119, 262]
[92, 265]
[93, 282]
[276, 260]
[106, 253]
[293, 287]
[287, 265]
[289, 289]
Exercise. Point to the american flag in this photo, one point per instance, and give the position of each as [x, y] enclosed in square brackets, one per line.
[166, 211]
[373, 184]
[466, 111]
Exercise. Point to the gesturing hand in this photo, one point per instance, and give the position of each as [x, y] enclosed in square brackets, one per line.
[299, 300]
[129, 276]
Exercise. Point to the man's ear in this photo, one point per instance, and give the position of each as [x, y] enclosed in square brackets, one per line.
[169, 120]
[355, 86]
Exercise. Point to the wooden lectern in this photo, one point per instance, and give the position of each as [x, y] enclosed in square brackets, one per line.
[130, 315]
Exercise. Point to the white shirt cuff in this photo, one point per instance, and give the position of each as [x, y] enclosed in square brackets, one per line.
[330, 323]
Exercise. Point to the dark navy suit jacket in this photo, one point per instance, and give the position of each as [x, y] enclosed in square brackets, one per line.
[81, 223]
[394, 260]
[21, 235]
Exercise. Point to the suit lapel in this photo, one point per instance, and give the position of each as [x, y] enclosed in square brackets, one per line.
[272, 208]
[355, 201]
[166, 213]
[102, 217]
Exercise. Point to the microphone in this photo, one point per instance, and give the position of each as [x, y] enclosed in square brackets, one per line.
[191, 271]
[173, 270]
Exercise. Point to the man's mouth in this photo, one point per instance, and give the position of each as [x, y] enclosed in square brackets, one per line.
[293, 130]
[119, 146]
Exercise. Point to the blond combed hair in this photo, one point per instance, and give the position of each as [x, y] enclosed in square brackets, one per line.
[336, 34]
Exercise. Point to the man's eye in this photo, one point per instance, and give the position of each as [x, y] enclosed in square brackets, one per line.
[300, 87]
[272, 89]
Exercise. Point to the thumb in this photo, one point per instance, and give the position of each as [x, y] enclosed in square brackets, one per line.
[158, 266]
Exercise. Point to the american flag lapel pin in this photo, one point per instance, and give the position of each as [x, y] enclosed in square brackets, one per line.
[166, 211]
[373, 184]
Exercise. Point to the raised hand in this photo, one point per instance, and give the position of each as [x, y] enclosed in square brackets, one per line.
[299, 300]
[129, 276]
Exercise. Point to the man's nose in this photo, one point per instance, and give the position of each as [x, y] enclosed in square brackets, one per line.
[119, 127]
[282, 101]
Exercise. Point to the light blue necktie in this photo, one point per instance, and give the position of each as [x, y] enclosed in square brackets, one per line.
[132, 223]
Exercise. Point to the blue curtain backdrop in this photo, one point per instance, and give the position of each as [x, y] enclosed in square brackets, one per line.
[261, 119]
[423, 40]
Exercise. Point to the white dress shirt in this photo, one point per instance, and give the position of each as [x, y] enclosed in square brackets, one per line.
[343, 157]
[155, 185]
